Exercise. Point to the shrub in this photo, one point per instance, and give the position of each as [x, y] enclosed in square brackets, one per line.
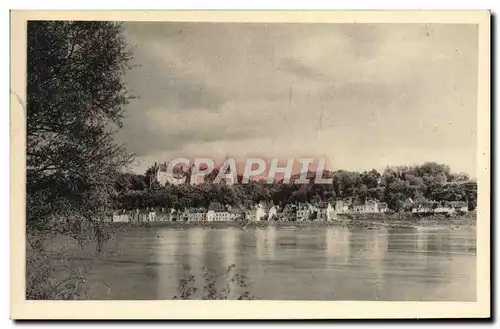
[212, 289]
[58, 276]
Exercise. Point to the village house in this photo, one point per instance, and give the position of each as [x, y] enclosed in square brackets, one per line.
[371, 206]
[133, 215]
[195, 214]
[249, 215]
[152, 216]
[408, 204]
[423, 207]
[382, 207]
[450, 207]
[358, 208]
[120, 218]
[210, 216]
[342, 206]
[218, 216]
[143, 217]
[260, 212]
[288, 214]
[461, 206]
[236, 214]
[304, 212]
[175, 215]
[331, 214]
[273, 213]
[162, 217]
[444, 209]
[321, 210]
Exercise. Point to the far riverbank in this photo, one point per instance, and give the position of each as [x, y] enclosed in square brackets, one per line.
[463, 221]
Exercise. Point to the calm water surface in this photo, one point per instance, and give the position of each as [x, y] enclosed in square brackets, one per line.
[296, 264]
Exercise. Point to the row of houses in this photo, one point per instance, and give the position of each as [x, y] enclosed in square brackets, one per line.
[446, 207]
[323, 211]
[260, 212]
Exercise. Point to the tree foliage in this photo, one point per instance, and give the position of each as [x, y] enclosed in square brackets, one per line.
[430, 181]
[75, 104]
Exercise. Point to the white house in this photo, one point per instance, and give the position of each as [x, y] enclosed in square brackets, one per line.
[273, 213]
[423, 207]
[461, 206]
[341, 207]
[152, 216]
[444, 210]
[219, 216]
[304, 212]
[250, 215]
[195, 215]
[260, 212]
[210, 216]
[382, 207]
[235, 215]
[120, 218]
[331, 214]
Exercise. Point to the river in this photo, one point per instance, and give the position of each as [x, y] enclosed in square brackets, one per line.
[330, 263]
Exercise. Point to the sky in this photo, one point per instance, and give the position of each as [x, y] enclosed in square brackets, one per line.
[362, 96]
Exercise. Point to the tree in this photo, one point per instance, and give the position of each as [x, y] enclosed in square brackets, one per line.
[151, 174]
[75, 104]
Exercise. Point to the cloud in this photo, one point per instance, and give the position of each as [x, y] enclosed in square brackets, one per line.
[300, 69]
[374, 90]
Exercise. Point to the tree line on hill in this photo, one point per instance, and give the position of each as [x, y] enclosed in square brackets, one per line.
[430, 181]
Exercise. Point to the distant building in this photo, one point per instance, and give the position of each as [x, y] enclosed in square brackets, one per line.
[249, 215]
[321, 211]
[358, 208]
[260, 212]
[408, 204]
[163, 216]
[423, 207]
[288, 214]
[450, 207]
[196, 214]
[461, 206]
[303, 212]
[382, 207]
[370, 207]
[122, 218]
[342, 207]
[235, 215]
[219, 216]
[273, 213]
[163, 177]
[331, 214]
[175, 215]
[210, 216]
[152, 216]
[444, 209]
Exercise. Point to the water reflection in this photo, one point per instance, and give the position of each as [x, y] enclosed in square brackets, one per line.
[318, 264]
[265, 243]
[196, 239]
[271, 233]
[166, 253]
[337, 245]
[229, 255]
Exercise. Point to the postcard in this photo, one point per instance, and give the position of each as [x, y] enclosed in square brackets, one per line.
[250, 164]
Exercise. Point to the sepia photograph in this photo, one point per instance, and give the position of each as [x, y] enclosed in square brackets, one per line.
[268, 159]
